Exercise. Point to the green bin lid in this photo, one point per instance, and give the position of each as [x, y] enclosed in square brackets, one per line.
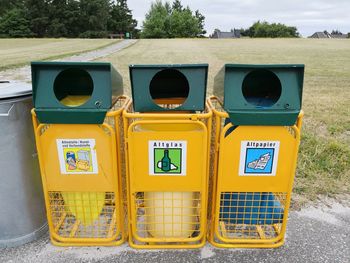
[74, 92]
[183, 84]
[261, 94]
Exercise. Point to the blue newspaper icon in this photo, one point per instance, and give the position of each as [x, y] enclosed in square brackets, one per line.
[259, 160]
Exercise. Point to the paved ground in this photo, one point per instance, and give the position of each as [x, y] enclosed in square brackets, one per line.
[314, 235]
[24, 73]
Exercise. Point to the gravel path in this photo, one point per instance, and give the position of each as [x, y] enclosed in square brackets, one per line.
[314, 234]
[24, 73]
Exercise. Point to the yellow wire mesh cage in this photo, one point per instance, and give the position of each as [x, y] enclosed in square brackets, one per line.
[81, 166]
[250, 210]
[251, 215]
[168, 214]
[84, 214]
[167, 160]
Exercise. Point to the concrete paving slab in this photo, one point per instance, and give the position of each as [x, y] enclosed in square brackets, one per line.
[314, 234]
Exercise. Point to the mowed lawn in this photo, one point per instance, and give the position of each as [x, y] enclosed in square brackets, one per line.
[324, 158]
[16, 52]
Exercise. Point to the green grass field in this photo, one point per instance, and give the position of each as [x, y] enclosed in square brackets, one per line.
[324, 159]
[17, 52]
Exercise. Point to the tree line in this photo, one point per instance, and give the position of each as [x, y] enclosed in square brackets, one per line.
[99, 18]
[65, 18]
[273, 30]
[165, 20]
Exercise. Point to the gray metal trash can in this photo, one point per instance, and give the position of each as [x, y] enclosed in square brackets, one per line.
[23, 217]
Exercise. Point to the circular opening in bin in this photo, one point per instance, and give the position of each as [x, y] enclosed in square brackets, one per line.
[73, 87]
[261, 88]
[169, 88]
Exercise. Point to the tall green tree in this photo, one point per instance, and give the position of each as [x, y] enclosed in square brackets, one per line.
[265, 29]
[65, 18]
[168, 21]
[201, 20]
[38, 15]
[72, 18]
[120, 18]
[183, 24]
[177, 6]
[94, 17]
[7, 5]
[57, 17]
[156, 24]
[14, 23]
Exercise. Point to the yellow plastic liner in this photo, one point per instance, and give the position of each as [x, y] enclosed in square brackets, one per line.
[85, 206]
[74, 101]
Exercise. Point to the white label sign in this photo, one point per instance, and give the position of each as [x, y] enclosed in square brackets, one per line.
[258, 158]
[167, 158]
[77, 156]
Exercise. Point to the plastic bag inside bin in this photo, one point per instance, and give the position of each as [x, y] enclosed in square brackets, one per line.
[251, 208]
[261, 88]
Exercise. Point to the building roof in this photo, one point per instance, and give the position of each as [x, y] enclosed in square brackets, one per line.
[320, 35]
[339, 35]
[325, 34]
[235, 33]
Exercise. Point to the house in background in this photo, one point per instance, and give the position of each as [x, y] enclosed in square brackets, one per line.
[325, 34]
[320, 35]
[340, 35]
[234, 33]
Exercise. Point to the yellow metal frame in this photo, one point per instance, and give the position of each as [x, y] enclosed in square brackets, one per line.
[140, 183]
[55, 184]
[224, 180]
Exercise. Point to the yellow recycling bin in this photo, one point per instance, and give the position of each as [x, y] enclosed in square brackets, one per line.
[247, 211]
[255, 140]
[79, 153]
[167, 208]
[167, 157]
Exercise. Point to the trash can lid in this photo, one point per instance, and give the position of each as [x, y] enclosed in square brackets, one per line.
[12, 89]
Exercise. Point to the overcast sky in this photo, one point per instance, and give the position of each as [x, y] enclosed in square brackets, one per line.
[307, 15]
